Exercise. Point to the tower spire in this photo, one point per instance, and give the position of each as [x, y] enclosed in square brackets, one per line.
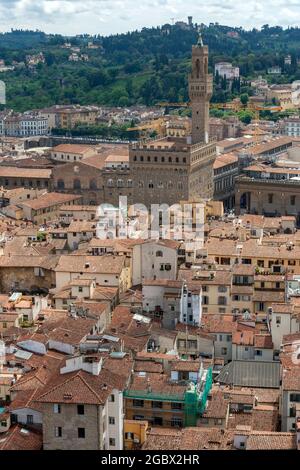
[200, 40]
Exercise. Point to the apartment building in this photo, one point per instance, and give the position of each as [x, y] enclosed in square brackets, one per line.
[163, 402]
[83, 406]
[46, 207]
[107, 270]
[71, 152]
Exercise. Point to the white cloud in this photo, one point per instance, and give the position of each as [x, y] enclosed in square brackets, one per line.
[115, 16]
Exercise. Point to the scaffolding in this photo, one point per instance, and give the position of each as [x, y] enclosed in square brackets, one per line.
[196, 397]
[193, 399]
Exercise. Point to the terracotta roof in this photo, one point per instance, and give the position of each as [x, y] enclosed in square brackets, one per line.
[268, 296]
[265, 418]
[261, 440]
[156, 384]
[224, 160]
[243, 269]
[135, 335]
[291, 379]
[49, 200]
[107, 264]
[42, 369]
[82, 226]
[148, 366]
[17, 438]
[263, 341]
[117, 158]
[188, 439]
[217, 407]
[216, 324]
[72, 330]
[194, 330]
[72, 148]
[81, 387]
[282, 308]
[245, 338]
[17, 172]
[182, 366]
[25, 399]
[96, 161]
[45, 262]
[207, 278]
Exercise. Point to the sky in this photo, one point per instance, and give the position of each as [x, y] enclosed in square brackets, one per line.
[71, 17]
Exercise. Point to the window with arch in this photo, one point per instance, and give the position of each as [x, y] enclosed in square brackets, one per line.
[170, 185]
[110, 183]
[159, 254]
[60, 184]
[120, 183]
[93, 184]
[141, 184]
[180, 185]
[77, 184]
[151, 185]
[129, 183]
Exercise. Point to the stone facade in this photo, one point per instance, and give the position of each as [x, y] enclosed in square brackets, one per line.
[24, 278]
[200, 90]
[79, 178]
[267, 197]
[165, 171]
[69, 421]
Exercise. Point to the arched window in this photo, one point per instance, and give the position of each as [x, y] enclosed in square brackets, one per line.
[198, 68]
[120, 183]
[60, 184]
[151, 185]
[110, 183]
[159, 254]
[170, 185]
[180, 185]
[141, 184]
[129, 183]
[77, 184]
[93, 184]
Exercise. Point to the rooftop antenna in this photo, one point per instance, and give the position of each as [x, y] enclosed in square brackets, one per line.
[200, 40]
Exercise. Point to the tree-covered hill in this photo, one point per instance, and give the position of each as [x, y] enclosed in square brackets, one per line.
[141, 67]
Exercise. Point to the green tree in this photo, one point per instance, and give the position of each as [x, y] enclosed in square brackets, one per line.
[244, 98]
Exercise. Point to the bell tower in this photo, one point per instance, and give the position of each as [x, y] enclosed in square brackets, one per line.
[200, 92]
